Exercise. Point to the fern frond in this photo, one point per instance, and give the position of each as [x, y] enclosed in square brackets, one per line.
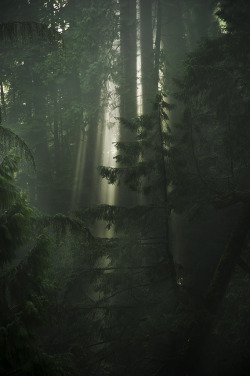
[60, 223]
[14, 225]
[9, 165]
[8, 192]
[8, 140]
[25, 278]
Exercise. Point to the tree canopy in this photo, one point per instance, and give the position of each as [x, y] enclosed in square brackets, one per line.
[125, 192]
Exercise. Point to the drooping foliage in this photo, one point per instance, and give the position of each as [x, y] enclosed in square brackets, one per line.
[26, 283]
[167, 292]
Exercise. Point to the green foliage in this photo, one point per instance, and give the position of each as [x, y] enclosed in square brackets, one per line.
[51, 94]
[70, 303]
[22, 31]
[9, 140]
[116, 215]
[15, 212]
[27, 301]
[143, 166]
[61, 223]
[24, 260]
[131, 329]
[20, 283]
[213, 133]
[235, 15]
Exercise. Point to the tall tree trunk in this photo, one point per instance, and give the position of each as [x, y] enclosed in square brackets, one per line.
[93, 152]
[183, 23]
[199, 22]
[147, 55]
[40, 142]
[228, 260]
[2, 107]
[128, 85]
[56, 136]
[203, 313]
[173, 41]
[164, 194]
[44, 178]
[128, 43]
[206, 314]
[157, 45]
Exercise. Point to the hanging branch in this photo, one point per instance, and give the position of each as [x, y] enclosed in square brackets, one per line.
[10, 139]
[14, 31]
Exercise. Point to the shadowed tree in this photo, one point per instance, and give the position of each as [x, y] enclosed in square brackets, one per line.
[147, 55]
[128, 53]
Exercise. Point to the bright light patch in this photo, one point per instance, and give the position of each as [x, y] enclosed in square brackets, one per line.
[102, 192]
[222, 24]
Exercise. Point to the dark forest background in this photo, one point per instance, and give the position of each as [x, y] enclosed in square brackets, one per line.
[140, 266]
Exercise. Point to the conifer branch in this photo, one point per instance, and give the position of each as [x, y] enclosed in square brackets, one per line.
[15, 31]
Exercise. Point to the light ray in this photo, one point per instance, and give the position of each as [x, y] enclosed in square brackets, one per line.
[78, 178]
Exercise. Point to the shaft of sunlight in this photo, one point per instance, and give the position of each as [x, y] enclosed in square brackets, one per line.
[138, 62]
[78, 178]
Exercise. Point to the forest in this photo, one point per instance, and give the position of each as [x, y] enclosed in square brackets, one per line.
[124, 187]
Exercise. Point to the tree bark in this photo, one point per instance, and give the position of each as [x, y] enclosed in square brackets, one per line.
[128, 85]
[228, 260]
[128, 45]
[206, 312]
[157, 45]
[147, 56]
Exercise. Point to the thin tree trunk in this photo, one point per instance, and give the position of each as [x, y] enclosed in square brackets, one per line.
[164, 193]
[128, 87]
[157, 46]
[41, 153]
[2, 107]
[147, 56]
[89, 188]
[200, 22]
[56, 137]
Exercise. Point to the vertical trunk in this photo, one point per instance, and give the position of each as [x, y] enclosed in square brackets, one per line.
[147, 56]
[228, 260]
[203, 314]
[206, 315]
[164, 197]
[128, 87]
[62, 167]
[2, 107]
[93, 153]
[173, 41]
[183, 24]
[42, 152]
[56, 137]
[200, 22]
[157, 45]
